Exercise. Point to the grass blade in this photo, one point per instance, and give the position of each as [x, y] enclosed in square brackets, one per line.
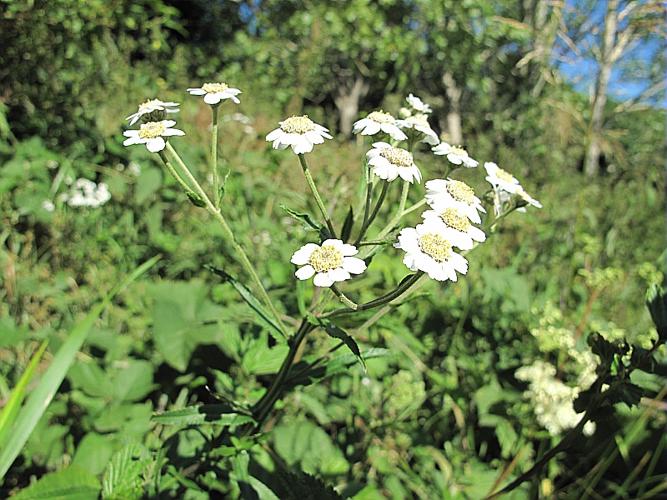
[41, 397]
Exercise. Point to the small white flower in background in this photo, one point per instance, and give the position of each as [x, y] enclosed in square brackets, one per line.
[450, 193]
[458, 224]
[455, 154]
[330, 262]
[134, 168]
[48, 205]
[215, 92]
[505, 183]
[151, 106]
[420, 123]
[389, 163]
[152, 135]
[299, 132]
[243, 120]
[379, 121]
[427, 248]
[417, 104]
[85, 193]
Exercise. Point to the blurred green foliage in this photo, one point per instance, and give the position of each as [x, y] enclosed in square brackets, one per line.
[439, 412]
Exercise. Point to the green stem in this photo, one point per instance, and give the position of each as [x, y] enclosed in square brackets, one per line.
[414, 207]
[229, 234]
[265, 404]
[369, 220]
[188, 190]
[343, 298]
[214, 156]
[316, 194]
[392, 223]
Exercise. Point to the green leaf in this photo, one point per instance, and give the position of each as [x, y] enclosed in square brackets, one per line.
[69, 484]
[301, 485]
[656, 301]
[260, 359]
[11, 408]
[347, 225]
[123, 477]
[338, 333]
[252, 301]
[203, 414]
[302, 217]
[148, 183]
[41, 396]
[93, 453]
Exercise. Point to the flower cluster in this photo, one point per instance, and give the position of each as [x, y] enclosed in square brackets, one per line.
[84, 193]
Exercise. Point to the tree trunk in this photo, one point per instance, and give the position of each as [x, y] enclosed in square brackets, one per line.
[453, 92]
[606, 63]
[347, 102]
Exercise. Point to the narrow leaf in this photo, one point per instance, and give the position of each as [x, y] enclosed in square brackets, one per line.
[338, 333]
[303, 217]
[251, 300]
[202, 414]
[347, 225]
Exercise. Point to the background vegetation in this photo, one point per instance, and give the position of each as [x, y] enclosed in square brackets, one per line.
[440, 411]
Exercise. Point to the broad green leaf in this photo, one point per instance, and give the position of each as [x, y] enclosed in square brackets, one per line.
[260, 359]
[123, 477]
[68, 484]
[93, 453]
[42, 395]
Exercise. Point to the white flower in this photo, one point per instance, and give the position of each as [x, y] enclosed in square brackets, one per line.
[299, 132]
[389, 162]
[152, 135]
[428, 249]
[151, 106]
[48, 205]
[456, 223]
[85, 193]
[455, 154]
[379, 121]
[215, 92]
[420, 124]
[329, 263]
[417, 104]
[504, 182]
[449, 193]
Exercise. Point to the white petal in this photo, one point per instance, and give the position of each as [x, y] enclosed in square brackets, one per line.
[172, 132]
[339, 274]
[213, 98]
[274, 134]
[348, 250]
[305, 272]
[354, 265]
[302, 255]
[322, 280]
[196, 91]
[155, 145]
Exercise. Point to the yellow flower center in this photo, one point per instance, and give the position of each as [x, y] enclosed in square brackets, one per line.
[505, 176]
[297, 125]
[151, 130]
[326, 258]
[458, 150]
[397, 156]
[381, 117]
[435, 246]
[453, 218]
[460, 191]
[211, 88]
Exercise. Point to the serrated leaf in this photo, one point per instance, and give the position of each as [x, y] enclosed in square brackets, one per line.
[68, 484]
[123, 477]
[203, 414]
[250, 299]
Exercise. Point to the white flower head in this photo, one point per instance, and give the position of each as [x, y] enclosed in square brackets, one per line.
[329, 262]
[455, 154]
[503, 182]
[152, 134]
[450, 193]
[418, 105]
[48, 205]
[85, 193]
[428, 249]
[419, 122]
[462, 232]
[299, 132]
[153, 110]
[379, 121]
[215, 92]
[389, 163]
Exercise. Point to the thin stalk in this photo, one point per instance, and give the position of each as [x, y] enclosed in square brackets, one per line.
[214, 156]
[393, 222]
[316, 194]
[414, 207]
[188, 190]
[265, 404]
[229, 234]
[371, 217]
[343, 298]
[388, 297]
[367, 205]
